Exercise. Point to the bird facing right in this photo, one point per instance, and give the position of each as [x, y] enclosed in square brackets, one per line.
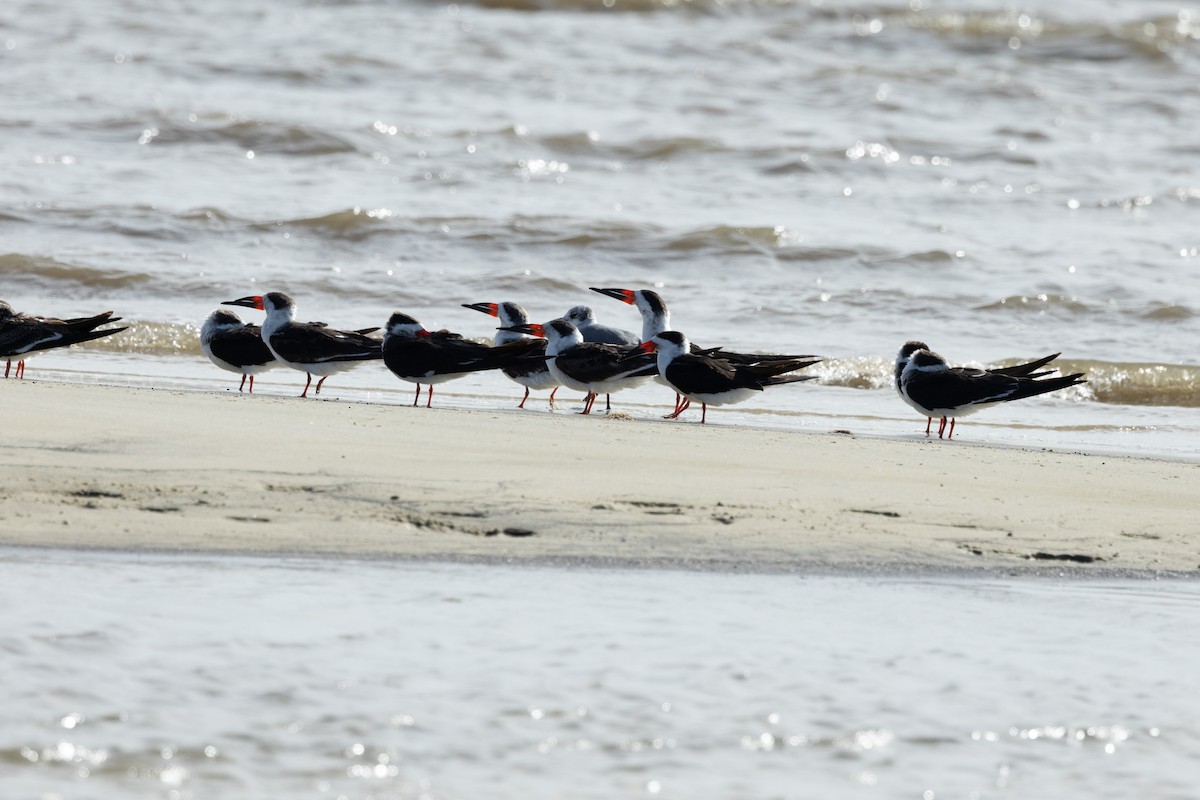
[713, 381]
[23, 335]
[935, 389]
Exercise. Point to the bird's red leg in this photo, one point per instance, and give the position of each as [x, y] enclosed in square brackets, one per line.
[319, 384]
[429, 399]
[703, 412]
[21, 369]
[553, 392]
[683, 406]
[417, 399]
[952, 421]
[928, 423]
[682, 403]
[588, 401]
[306, 384]
[251, 385]
[243, 383]
[7, 367]
[675, 412]
[941, 427]
[523, 399]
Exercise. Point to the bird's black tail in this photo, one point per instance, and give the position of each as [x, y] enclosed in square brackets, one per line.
[1029, 387]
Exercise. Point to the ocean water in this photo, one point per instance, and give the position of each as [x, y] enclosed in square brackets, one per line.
[1000, 181]
[148, 677]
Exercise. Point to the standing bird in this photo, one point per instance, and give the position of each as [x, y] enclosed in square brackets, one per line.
[1028, 370]
[936, 389]
[420, 356]
[656, 318]
[311, 347]
[712, 380]
[23, 335]
[584, 319]
[236, 346]
[589, 367]
[531, 375]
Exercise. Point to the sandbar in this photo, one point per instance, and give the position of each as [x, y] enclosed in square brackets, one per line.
[165, 471]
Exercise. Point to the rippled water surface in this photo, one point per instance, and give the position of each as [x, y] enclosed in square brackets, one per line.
[1000, 181]
[132, 676]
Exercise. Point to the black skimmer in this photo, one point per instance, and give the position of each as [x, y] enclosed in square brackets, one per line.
[532, 375]
[584, 320]
[591, 367]
[235, 345]
[420, 356]
[1027, 370]
[314, 348]
[936, 389]
[23, 335]
[713, 380]
[656, 318]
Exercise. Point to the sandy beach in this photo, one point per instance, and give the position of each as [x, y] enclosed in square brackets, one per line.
[148, 470]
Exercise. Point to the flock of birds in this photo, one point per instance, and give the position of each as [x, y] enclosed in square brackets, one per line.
[574, 351]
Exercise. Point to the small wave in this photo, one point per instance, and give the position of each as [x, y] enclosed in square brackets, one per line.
[52, 276]
[655, 148]
[152, 339]
[1038, 303]
[259, 136]
[862, 372]
[351, 223]
[1153, 311]
[663, 148]
[1140, 384]
[732, 239]
[816, 254]
[1166, 312]
[206, 215]
[610, 6]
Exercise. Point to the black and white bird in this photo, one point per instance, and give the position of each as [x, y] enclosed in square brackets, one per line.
[23, 335]
[1027, 370]
[314, 348]
[656, 318]
[235, 345]
[584, 320]
[532, 374]
[935, 389]
[591, 367]
[428, 357]
[712, 380]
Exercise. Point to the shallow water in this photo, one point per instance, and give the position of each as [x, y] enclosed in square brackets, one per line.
[135, 676]
[832, 178]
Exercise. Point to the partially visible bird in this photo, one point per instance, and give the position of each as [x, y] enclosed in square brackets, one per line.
[23, 335]
[712, 380]
[235, 345]
[584, 320]
[531, 375]
[420, 356]
[314, 348]
[935, 389]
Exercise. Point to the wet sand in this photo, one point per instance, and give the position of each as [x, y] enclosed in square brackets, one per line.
[167, 471]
